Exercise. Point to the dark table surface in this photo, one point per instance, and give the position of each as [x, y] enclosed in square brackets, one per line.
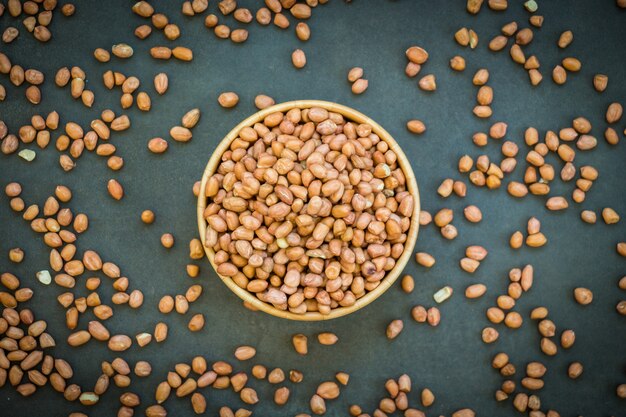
[451, 359]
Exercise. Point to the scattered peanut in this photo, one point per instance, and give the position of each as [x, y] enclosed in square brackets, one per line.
[583, 296]
[394, 329]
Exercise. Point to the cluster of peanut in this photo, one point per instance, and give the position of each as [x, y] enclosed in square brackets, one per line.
[307, 210]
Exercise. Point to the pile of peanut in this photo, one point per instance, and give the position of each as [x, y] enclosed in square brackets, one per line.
[306, 210]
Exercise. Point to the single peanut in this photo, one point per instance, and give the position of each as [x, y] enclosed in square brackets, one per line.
[228, 99]
[583, 296]
[298, 58]
[360, 86]
[115, 189]
[416, 126]
[394, 329]
[300, 344]
[425, 259]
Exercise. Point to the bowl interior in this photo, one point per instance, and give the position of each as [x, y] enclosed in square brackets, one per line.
[351, 115]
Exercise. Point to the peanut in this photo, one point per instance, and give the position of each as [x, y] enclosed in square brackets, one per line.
[475, 291]
[473, 214]
[182, 53]
[298, 58]
[408, 284]
[244, 353]
[228, 99]
[480, 77]
[425, 259]
[262, 101]
[417, 55]
[443, 294]
[181, 134]
[115, 189]
[355, 73]
[122, 50]
[567, 339]
[457, 63]
[489, 335]
[300, 344]
[462, 36]
[161, 52]
[167, 240]
[498, 5]
[498, 43]
[571, 64]
[535, 20]
[449, 232]
[416, 126]
[360, 86]
[556, 203]
[303, 32]
[583, 296]
[575, 370]
[394, 329]
[157, 145]
[536, 240]
[600, 82]
[559, 75]
[469, 265]
[610, 216]
[614, 113]
[428, 83]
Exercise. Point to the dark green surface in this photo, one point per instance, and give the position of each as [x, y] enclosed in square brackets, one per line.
[451, 360]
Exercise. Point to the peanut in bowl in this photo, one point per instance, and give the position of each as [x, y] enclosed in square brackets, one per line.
[308, 210]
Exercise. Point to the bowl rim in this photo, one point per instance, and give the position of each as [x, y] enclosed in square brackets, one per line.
[352, 115]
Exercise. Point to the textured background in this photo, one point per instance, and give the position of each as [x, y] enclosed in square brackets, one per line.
[450, 359]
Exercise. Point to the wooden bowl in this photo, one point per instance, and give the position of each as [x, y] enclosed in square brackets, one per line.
[349, 114]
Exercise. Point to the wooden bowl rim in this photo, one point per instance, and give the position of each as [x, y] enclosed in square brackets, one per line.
[351, 115]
